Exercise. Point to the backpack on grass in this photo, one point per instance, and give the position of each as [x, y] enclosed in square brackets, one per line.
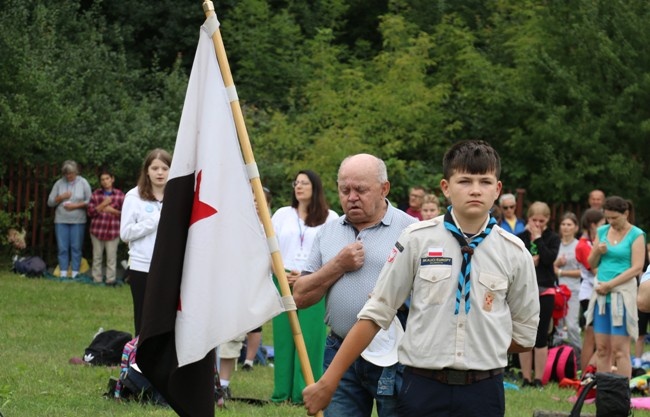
[106, 348]
[30, 266]
[560, 363]
[131, 384]
[612, 396]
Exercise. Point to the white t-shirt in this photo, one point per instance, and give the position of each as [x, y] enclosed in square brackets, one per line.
[294, 237]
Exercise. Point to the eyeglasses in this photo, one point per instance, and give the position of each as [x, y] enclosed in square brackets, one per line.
[508, 207]
[303, 183]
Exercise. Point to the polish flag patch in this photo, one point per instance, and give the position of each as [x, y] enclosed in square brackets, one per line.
[392, 255]
[435, 252]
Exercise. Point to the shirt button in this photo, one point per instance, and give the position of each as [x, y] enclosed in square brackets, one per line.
[459, 354]
[492, 286]
[460, 325]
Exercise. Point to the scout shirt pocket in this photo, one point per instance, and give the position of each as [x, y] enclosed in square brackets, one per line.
[434, 281]
[493, 290]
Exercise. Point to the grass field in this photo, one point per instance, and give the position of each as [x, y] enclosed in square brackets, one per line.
[44, 323]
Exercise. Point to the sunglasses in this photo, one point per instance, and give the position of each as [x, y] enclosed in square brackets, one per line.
[508, 207]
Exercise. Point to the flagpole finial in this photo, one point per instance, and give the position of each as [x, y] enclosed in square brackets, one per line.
[208, 6]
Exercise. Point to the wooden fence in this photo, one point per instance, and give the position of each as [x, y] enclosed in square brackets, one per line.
[30, 186]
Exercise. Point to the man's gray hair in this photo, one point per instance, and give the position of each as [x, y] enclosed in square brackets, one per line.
[506, 197]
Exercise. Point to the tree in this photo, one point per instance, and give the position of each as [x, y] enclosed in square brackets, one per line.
[383, 107]
[65, 94]
[579, 90]
[265, 50]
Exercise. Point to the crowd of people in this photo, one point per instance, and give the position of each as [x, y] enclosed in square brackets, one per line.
[459, 282]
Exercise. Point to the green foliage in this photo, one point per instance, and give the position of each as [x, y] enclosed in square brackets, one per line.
[384, 107]
[561, 90]
[267, 49]
[66, 94]
[156, 33]
[578, 69]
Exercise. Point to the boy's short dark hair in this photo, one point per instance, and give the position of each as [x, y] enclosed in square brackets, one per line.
[472, 157]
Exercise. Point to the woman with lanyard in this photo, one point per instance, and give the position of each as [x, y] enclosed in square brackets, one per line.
[296, 227]
[139, 224]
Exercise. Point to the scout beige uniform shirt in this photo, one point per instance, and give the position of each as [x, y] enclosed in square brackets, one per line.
[425, 264]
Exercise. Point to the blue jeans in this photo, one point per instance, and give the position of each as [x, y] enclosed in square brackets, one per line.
[362, 384]
[69, 241]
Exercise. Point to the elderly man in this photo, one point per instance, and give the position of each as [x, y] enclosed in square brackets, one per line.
[510, 222]
[344, 264]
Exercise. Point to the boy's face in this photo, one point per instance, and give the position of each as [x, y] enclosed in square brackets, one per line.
[106, 181]
[471, 195]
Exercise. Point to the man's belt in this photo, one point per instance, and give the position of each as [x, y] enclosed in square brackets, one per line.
[454, 376]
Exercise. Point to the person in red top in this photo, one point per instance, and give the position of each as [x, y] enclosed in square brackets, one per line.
[591, 220]
[104, 210]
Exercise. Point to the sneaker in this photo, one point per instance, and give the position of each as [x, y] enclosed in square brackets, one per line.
[247, 367]
[537, 383]
[637, 363]
[526, 383]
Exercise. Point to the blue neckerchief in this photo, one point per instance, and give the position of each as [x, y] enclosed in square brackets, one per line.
[467, 249]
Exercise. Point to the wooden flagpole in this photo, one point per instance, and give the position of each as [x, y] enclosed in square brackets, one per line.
[265, 216]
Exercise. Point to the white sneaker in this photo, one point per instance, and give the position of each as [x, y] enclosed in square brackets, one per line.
[637, 363]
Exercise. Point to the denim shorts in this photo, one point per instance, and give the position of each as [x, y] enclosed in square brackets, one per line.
[603, 322]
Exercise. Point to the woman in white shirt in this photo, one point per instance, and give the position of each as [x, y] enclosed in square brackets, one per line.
[296, 227]
[139, 223]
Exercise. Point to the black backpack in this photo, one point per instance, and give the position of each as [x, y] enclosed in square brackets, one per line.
[31, 266]
[612, 396]
[106, 348]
